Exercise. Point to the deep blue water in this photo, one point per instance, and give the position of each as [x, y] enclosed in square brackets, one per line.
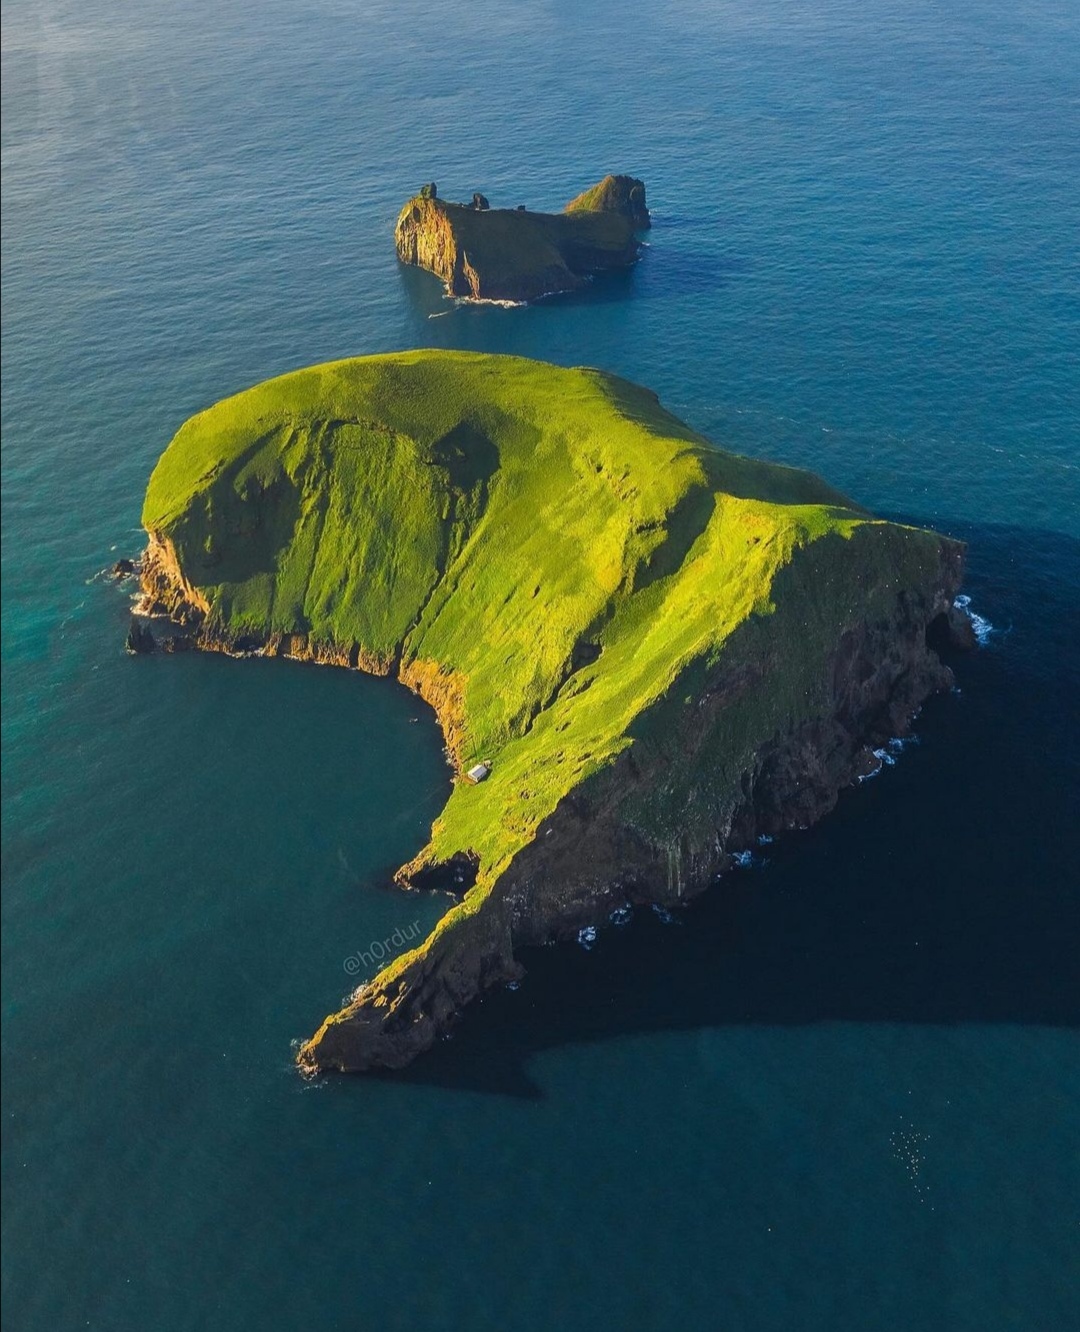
[842, 1091]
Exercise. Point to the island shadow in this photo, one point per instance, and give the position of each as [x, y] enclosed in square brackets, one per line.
[426, 293]
[944, 891]
[679, 256]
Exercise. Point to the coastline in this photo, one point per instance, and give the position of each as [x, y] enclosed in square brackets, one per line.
[586, 861]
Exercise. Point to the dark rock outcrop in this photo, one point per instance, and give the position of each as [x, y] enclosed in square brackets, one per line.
[140, 641]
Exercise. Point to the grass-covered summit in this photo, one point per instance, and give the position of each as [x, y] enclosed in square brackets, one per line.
[615, 194]
[618, 616]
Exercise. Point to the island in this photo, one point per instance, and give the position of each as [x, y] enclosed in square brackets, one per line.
[516, 255]
[645, 653]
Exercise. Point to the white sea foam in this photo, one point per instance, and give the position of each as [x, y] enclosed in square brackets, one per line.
[141, 603]
[587, 936]
[622, 915]
[982, 627]
[888, 754]
[664, 915]
[484, 300]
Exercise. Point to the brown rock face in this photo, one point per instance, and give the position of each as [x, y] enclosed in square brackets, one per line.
[513, 254]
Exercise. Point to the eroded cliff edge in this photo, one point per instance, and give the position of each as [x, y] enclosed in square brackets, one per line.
[516, 254]
[664, 650]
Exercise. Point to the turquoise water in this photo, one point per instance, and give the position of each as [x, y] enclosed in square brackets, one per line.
[842, 1091]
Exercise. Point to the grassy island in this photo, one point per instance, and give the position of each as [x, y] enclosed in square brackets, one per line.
[626, 623]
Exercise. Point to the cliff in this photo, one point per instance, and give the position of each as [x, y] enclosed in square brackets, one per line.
[663, 650]
[514, 254]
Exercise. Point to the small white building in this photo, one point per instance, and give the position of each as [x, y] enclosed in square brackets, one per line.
[478, 773]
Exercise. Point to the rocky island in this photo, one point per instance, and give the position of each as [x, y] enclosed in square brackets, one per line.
[514, 254]
[658, 651]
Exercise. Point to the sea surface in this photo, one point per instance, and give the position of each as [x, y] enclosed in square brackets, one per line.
[841, 1092]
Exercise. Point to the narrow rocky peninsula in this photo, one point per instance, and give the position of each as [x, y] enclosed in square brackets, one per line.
[514, 254]
[659, 651]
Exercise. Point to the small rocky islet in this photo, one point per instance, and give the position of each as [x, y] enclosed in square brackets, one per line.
[660, 651]
[517, 255]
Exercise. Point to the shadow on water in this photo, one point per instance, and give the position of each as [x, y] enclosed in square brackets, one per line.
[664, 267]
[686, 256]
[427, 296]
[690, 273]
[886, 912]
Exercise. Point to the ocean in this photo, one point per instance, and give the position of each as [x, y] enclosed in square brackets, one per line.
[842, 1090]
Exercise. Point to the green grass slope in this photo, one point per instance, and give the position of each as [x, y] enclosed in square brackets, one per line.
[616, 194]
[548, 549]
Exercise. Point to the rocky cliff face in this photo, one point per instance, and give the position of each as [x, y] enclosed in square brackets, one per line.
[501, 254]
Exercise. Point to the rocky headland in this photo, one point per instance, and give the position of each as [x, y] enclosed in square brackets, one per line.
[515, 254]
[662, 650]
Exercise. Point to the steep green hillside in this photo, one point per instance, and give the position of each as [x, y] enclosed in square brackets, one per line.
[549, 555]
